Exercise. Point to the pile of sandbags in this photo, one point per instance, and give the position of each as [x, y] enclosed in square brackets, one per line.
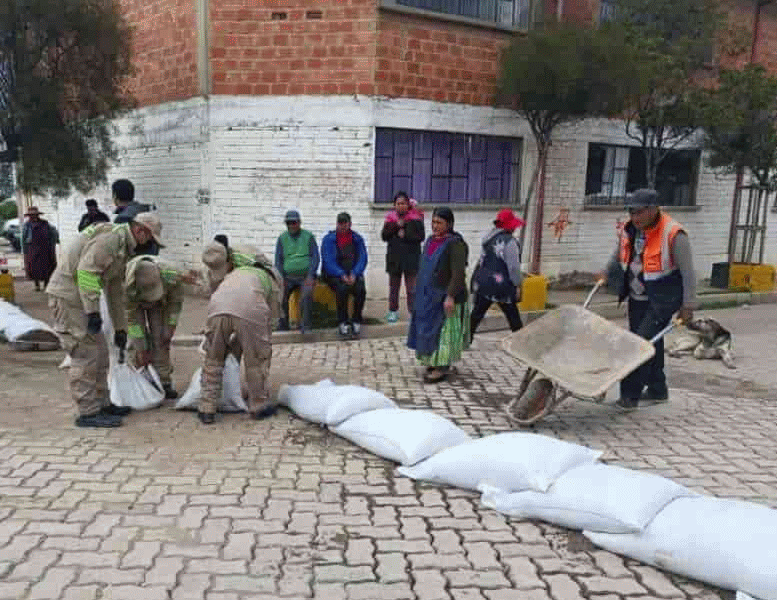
[23, 332]
[730, 544]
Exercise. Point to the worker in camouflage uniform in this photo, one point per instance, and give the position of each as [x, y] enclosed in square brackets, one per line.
[244, 300]
[154, 300]
[95, 262]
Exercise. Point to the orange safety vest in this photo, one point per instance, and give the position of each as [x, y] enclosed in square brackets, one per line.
[657, 256]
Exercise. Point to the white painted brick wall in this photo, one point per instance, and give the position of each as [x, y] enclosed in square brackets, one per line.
[234, 165]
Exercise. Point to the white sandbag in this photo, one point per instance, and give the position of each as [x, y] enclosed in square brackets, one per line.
[140, 389]
[508, 461]
[594, 496]
[231, 396]
[66, 362]
[23, 332]
[292, 393]
[333, 404]
[402, 435]
[743, 596]
[727, 543]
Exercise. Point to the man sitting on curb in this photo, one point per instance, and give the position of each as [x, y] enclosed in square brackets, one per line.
[343, 261]
[239, 322]
[94, 262]
[296, 259]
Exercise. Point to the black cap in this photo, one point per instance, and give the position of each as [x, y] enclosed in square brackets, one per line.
[91, 202]
[343, 217]
[642, 198]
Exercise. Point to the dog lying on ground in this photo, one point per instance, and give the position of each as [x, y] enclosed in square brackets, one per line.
[704, 338]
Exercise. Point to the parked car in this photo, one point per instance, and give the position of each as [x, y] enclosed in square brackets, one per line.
[13, 233]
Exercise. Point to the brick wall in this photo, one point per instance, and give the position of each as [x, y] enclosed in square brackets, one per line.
[164, 46]
[741, 16]
[308, 47]
[435, 60]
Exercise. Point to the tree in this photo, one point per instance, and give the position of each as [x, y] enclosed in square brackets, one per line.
[668, 42]
[740, 119]
[63, 64]
[554, 76]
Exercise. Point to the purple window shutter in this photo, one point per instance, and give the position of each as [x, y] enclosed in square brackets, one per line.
[422, 180]
[459, 155]
[475, 182]
[441, 161]
[383, 180]
[403, 154]
[384, 143]
[440, 189]
[458, 189]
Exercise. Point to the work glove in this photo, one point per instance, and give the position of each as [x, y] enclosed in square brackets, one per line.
[120, 339]
[94, 323]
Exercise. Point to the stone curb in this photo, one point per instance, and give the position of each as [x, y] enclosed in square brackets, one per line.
[608, 310]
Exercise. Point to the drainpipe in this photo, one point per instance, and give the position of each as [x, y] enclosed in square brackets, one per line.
[201, 8]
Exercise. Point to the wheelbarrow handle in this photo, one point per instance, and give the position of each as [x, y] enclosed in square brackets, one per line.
[673, 323]
[591, 294]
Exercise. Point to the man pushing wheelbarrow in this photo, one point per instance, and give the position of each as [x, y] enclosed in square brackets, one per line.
[581, 354]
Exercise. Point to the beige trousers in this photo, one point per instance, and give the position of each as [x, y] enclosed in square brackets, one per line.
[158, 343]
[88, 354]
[251, 342]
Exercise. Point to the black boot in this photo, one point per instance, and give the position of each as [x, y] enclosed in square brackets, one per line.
[265, 413]
[116, 411]
[99, 419]
[206, 418]
[170, 393]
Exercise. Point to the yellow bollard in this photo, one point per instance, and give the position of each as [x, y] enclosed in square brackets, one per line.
[534, 293]
[7, 292]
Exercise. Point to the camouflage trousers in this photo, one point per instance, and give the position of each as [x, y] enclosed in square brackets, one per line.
[226, 334]
[88, 353]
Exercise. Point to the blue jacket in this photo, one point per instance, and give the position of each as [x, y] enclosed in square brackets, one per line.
[329, 266]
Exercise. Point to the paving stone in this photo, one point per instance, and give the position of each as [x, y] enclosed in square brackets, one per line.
[486, 579]
[141, 555]
[35, 564]
[243, 583]
[563, 586]
[657, 583]
[430, 584]
[53, 583]
[341, 573]
[379, 591]
[392, 567]
[598, 585]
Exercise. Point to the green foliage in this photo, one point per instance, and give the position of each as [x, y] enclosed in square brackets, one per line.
[8, 210]
[69, 60]
[560, 74]
[669, 43]
[740, 118]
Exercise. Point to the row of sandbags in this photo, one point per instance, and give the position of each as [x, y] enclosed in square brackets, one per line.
[727, 543]
[23, 332]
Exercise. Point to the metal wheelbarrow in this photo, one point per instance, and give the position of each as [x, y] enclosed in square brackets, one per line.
[578, 354]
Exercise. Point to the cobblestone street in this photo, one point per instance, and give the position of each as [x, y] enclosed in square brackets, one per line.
[166, 508]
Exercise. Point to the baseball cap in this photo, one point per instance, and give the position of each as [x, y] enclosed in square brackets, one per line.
[151, 222]
[292, 215]
[641, 198]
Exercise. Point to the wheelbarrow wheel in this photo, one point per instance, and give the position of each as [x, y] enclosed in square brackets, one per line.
[534, 402]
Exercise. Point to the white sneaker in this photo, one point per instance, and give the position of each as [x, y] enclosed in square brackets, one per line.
[392, 316]
[357, 328]
[343, 329]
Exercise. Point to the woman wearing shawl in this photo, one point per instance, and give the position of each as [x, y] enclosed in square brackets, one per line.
[403, 230]
[439, 326]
